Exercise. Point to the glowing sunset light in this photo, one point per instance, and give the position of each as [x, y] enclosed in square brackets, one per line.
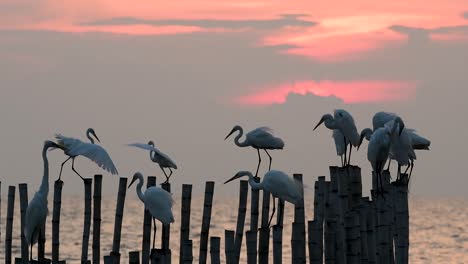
[351, 92]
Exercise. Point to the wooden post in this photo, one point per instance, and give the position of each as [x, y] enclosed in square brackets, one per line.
[383, 220]
[372, 232]
[243, 192]
[166, 231]
[330, 223]
[134, 257]
[298, 245]
[23, 194]
[188, 256]
[353, 242]
[214, 250]
[339, 181]
[205, 228]
[185, 219]
[363, 212]
[97, 218]
[87, 219]
[319, 217]
[56, 220]
[9, 224]
[229, 246]
[251, 240]
[277, 244]
[354, 186]
[402, 221]
[264, 239]
[147, 231]
[119, 210]
[315, 236]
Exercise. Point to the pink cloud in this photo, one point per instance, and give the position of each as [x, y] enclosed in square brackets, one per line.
[350, 92]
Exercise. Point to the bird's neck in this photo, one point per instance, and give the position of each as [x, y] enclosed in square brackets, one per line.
[44, 188]
[237, 138]
[139, 192]
[254, 184]
[330, 123]
[152, 155]
[88, 135]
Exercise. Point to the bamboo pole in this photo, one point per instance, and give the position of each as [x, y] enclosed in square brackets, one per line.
[229, 246]
[278, 233]
[214, 250]
[264, 237]
[134, 257]
[354, 186]
[166, 232]
[9, 224]
[205, 228]
[56, 220]
[119, 210]
[402, 221]
[314, 229]
[23, 195]
[188, 256]
[243, 192]
[147, 221]
[330, 223]
[87, 219]
[353, 241]
[372, 231]
[363, 212]
[251, 240]
[319, 217]
[298, 241]
[339, 181]
[41, 244]
[185, 219]
[97, 218]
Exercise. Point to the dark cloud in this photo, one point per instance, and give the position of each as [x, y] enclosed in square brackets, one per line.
[422, 34]
[284, 20]
[465, 15]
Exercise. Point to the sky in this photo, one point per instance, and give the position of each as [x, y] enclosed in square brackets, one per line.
[183, 73]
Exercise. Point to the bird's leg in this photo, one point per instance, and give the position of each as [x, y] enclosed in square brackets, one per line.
[345, 151]
[389, 161]
[170, 173]
[407, 167]
[165, 174]
[398, 173]
[411, 171]
[30, 254]
[272, 213]
[259, 161]
[342, 164]
[73, 168]
[154, 232]
[349, 157]
[269, 166]
[61, 167]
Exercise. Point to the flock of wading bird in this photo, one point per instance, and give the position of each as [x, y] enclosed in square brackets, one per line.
[388, 140]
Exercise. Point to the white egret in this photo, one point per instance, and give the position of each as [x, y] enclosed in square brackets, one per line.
[401, 147]
[378, 150]
[157, 156]
[344, 122]
[157, 201]
[73, 147]
[259, 138]
[381, 118]
[340, 144]
[278, 183]
[36, 212]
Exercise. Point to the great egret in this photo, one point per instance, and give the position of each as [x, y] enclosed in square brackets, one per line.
[259, 138]
[157, 156]
[36, 212]
[401, 147]
[344, 122]
[378, 150]
[340, 144]
[73, 147]
[278, 183]
[157, 201]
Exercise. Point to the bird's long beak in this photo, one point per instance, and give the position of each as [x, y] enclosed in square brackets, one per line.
[233, 178]
[360, 141]
[319, 123]
[94, 134]
[230, 133]
[134, 179]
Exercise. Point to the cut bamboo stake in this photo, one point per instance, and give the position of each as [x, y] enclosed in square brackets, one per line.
[372, 231]
[87, 220]
[229, 246]
[205, 228]
[9, 224]
[185, 220]
[243, 192]
[23, 194]
[134, 257]
[251, 240]
[56, 220]
[166, 231]
[278, 233]
[119, 210]
[41, 244]
[188, 256]
[355, 186]
[214, 250]
[353, 242]
[97, 219]
[339, 180]
[319, 217]
[330, 223]
[314, 234]
[363, 212]
[264, 238]
[402, 221]
[298, 245]
[147, 221]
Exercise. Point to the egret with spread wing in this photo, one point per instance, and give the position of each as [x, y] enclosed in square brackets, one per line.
[157, 156]
[157, 201]
[344, 122]
[36, 212]
[259, 138]
[73, 148]
[278, 183]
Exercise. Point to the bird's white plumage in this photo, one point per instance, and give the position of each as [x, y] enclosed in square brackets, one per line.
[401, 148]
[345, 123]
[159, 202]
[282, 186]
[379, 148]
[340, 143]
[161, 158]
[75, 147]
[36, 215]
[418, 141]
[264, 138]
[381, 118]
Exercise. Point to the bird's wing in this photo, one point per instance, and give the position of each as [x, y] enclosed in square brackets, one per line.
[418, 141]
[339, 142]
[144, 146]
[381, 118]
[263, 137]
[95, 153]
[284, 186]
[67, 142]
[159, 202]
